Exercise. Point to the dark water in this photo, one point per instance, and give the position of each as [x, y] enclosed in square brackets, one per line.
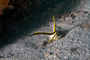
[19, 22]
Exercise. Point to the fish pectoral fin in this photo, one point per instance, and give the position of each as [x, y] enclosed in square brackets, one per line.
[52, 38]
[56, 37]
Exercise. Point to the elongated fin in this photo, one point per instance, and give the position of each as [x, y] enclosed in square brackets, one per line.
[45, 33]
[54, 26]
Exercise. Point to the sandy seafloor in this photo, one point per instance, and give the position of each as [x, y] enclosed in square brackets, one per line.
[74, 45]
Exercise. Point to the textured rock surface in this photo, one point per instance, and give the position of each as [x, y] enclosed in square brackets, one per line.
[74, 45]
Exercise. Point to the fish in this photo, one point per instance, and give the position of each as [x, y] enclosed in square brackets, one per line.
[52, 35]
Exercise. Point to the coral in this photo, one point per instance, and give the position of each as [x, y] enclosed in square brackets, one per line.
[3, 4]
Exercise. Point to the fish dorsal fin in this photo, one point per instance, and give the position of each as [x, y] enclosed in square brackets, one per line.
[54, 26]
